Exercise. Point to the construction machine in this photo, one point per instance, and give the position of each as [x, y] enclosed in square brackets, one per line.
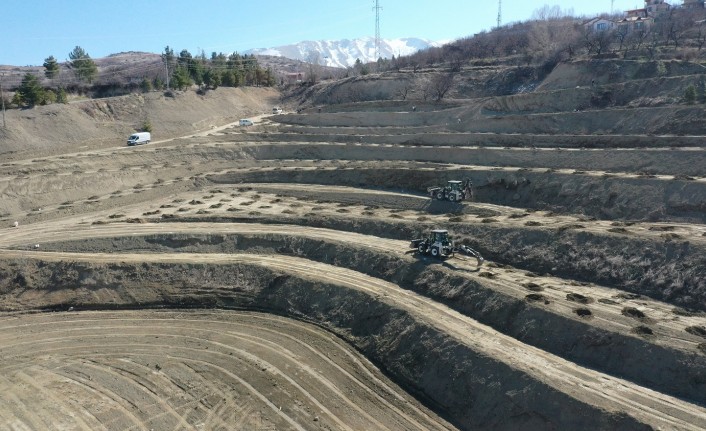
[438, 244]
[453, 191]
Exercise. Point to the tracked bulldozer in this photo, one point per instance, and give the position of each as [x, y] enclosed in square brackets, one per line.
[440, 245]
[453, 191]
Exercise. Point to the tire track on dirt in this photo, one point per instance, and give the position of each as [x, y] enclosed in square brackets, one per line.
[40, 389]
[649, 405]
[83, 338]
[129, 379]
[508, 280]
[242, 335]
[22, 416]
[117, 402]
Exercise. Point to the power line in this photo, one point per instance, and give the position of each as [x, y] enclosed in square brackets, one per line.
[377, 29]
[2, 96]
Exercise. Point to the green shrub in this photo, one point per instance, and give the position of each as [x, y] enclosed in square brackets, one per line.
[690, 94]
[147, 125]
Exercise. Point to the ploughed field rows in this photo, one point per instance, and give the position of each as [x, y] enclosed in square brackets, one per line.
[191, 370]
[588, 313]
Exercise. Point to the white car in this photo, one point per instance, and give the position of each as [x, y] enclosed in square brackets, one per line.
[246, 122]
[276, 110]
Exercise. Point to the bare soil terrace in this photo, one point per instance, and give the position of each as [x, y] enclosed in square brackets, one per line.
[261, 278]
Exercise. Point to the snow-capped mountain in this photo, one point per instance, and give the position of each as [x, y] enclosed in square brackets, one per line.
[343, 53]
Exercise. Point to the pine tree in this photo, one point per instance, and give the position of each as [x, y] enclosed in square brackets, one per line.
[61, 96]
[180, 78]
[82, 64]
[51, 67]
[701, 90]
[690, 94]
[48, 97]
[211, 78]
[146, 85]
[30, 92]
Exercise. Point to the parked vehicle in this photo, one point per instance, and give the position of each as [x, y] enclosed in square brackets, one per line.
[139, 138]
[246, 122]
[276, 110]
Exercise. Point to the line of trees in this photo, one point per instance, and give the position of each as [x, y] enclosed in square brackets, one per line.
[233, 70]
[31, 93]
[184, 70]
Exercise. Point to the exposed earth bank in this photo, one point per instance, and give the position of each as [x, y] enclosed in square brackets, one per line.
[101, 123]
[587, 312]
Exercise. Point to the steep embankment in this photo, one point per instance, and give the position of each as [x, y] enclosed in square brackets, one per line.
[107, 122]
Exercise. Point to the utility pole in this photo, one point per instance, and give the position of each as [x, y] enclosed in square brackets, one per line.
[377, 29]
[500, 4]
[166, 69]
[2, 96]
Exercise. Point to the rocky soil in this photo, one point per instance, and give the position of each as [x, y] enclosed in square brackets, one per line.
[261, 277]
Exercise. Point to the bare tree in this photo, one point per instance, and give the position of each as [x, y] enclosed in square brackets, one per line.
[547, 13]
[314, 69]
[676, 28]
[598, 42]
[652, 43]
[552, 39]
[700, 36]
[637, 38]
[404, 89]
[456, 57]
[621, 35]
[414, 62]
[440, 84]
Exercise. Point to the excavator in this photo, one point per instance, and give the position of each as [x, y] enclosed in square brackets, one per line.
[453, 191]
[438, 244]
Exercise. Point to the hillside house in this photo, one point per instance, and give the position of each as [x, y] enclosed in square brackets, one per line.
[630, 24]
[693, 4]
[635, 19]
[652, 8]
[293, 78]
[655, 7]
[599, 24]
[636, 13]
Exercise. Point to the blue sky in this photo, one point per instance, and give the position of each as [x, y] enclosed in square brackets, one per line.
[33, 30]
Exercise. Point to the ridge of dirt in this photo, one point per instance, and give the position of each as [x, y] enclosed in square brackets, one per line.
[546, 251]
[284, 288]
[607, 197]
[607, 346]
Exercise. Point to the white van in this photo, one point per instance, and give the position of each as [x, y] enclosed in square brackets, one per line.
[245, 122]
[139, 138]
[276, 110]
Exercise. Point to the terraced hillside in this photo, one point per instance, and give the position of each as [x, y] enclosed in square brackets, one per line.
[261, 278]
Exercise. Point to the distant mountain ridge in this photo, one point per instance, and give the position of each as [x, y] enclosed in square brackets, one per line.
[343, 53]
